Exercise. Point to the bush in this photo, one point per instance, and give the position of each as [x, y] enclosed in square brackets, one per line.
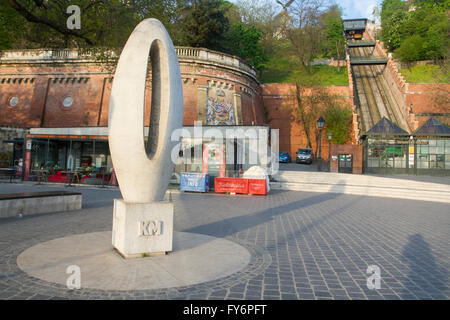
[338, 121]
[412, 49]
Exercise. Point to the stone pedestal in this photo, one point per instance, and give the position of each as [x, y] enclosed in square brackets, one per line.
[141, 229]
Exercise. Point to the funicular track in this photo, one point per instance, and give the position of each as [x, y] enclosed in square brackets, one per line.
[374, 96]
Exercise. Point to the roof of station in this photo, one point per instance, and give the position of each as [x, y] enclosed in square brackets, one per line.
[433, 127]
[385, 127]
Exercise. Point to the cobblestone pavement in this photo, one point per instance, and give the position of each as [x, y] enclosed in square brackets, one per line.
[303, 245]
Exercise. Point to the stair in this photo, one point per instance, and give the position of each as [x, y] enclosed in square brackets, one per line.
[365, 185]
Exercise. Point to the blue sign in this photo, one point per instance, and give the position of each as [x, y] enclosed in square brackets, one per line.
[197, 182]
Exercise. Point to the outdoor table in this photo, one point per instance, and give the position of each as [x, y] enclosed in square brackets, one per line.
[10, 171]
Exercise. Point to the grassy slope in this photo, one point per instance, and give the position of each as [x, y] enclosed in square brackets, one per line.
[426, 74]
[285, 71]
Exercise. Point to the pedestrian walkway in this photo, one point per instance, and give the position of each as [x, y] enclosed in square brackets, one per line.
[302, 245]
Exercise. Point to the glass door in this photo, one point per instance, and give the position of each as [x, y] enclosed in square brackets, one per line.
[345, 163]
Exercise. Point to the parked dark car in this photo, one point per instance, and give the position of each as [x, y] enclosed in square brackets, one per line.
[284, 156]
[304, 156]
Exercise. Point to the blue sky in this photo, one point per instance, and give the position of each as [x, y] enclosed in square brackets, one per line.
[353, 9]
[357, 8]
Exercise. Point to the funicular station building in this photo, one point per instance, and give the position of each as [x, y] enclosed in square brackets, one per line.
[398, 122]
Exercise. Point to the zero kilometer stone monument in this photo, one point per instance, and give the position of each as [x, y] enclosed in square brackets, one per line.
[143, 222]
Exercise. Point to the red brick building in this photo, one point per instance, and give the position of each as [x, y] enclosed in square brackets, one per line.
[37, 82]
[60, 98]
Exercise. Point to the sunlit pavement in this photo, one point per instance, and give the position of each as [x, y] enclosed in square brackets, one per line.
[304, 245]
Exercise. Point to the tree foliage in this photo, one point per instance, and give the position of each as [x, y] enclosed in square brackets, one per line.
[251, 29]
[418, 30]
[314, 30]
[262, 15]
[243, 41]
[311, 103]
[303, 29]
[205, 24]
[334, 39]
[103, 22]
[338, 120]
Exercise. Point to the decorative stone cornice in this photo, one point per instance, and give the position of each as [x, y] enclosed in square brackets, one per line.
[70, 80]
[17, 80]
[220, 84]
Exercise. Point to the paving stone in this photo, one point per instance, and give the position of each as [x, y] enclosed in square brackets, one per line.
[322, 294]
[303, 245]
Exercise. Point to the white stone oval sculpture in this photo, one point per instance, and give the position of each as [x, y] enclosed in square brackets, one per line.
[143, 173]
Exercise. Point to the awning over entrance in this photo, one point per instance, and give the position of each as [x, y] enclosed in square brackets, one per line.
[77, 133]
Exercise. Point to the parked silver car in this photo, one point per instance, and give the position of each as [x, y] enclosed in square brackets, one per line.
[304, 155]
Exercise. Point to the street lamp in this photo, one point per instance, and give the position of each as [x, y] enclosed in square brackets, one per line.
[320, 123]
[330, 136]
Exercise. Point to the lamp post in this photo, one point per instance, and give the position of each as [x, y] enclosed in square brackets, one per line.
[330, 136]
[320, 123]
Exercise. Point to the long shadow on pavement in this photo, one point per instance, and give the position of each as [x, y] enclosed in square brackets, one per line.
[233, 225]
[425, 276]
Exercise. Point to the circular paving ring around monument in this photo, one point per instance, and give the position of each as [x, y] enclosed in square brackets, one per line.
[142, 277]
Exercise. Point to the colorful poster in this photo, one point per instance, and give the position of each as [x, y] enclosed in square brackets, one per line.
[220, 109]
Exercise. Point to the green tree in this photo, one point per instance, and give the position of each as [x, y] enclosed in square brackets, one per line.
[392, 30]
[169, 12]
[417, 29]
[334, 44]
[338, 121]
[303, 29]
[393, 15]
[205, 24]
[389, 7]
[411, 49]
[11, 26]
[244, 42]
[260, 14]
[313, 101]
[103, 22]
[436, 46]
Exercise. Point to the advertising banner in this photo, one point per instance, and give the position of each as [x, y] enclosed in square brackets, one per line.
[196, 182]
[257, 186]
[231, 185]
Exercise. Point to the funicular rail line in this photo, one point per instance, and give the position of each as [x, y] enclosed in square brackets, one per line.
[389, 102]
[374, 95]
[369, 111]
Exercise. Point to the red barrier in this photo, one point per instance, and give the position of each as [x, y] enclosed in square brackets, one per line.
[58, 177]
[257, 186]
[232, 185]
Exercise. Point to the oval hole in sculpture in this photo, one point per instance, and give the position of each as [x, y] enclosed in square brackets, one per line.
[160, 96]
